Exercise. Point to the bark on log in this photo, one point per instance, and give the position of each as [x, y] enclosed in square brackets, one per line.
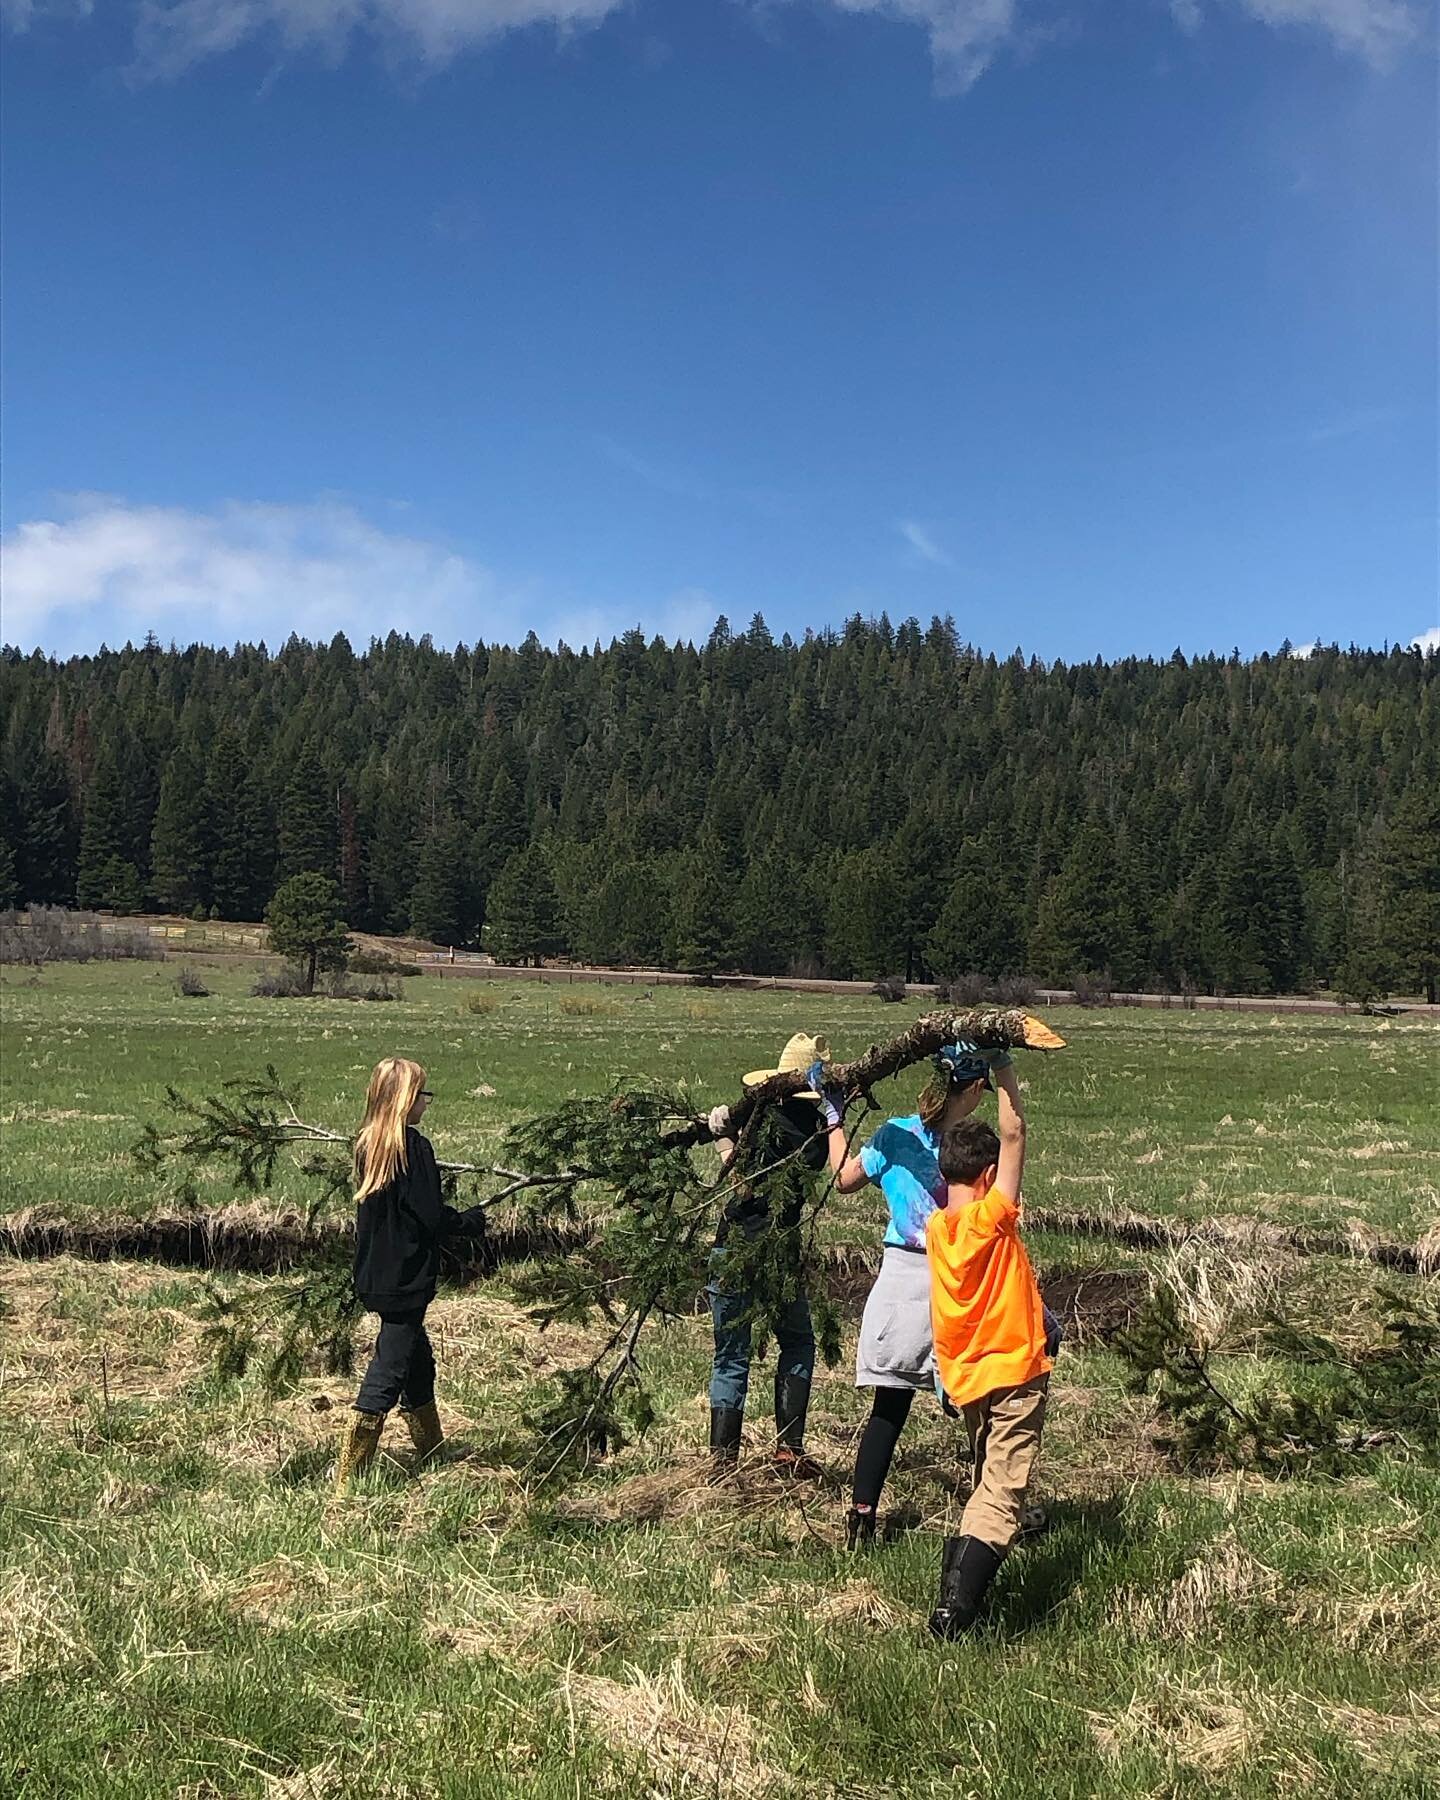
[991, 1027]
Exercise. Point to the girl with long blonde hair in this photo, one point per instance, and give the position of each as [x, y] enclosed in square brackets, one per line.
[401, 1220]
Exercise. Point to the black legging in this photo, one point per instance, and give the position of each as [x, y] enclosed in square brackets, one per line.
[888, 1413]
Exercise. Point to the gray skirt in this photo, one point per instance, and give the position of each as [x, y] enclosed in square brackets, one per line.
[896, 1349]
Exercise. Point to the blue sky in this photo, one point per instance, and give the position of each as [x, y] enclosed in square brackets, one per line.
[1103, 327]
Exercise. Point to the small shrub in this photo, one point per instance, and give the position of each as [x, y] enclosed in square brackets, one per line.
[198, 913]
[382, 988]
[381, 962]
[889, 987]
[190, 986]
[976, 989]
[48, 934]
[1094, 989]
[481, 1005]
[284, 983]
[587, 1006]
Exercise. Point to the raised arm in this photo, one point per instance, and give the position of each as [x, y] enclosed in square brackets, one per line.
[1011, 1167]
[850, 1175]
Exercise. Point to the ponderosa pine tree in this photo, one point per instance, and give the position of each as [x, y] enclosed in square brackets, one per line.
[306, 926]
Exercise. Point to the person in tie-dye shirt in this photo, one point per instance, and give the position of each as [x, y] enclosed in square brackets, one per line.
[896, 1356]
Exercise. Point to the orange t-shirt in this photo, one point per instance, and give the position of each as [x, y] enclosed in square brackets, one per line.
[985, 1310]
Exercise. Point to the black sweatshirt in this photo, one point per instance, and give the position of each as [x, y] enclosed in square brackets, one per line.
[778, 1192]
[399, 1230]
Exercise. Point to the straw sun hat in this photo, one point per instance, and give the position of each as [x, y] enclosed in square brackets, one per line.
[801, 1053]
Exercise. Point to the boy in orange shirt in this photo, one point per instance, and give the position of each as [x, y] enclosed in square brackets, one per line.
[990, 1331]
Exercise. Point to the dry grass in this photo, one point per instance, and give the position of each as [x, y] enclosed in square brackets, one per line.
[688, 1746]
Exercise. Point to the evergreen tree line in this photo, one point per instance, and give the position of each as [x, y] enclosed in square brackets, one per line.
[881, 800]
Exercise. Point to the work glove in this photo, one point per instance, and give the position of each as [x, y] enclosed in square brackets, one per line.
[1054, 1331]
[718, 1119]
[832, 1104]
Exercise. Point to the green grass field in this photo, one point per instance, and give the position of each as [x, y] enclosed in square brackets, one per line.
[185, 1611]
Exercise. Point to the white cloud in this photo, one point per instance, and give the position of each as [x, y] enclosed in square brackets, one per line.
[1303, 652]
[110, 571]
[965, 35]
[171, 36]
[1427, 641]
[104, 571]
[1377, 30]
[922, 543]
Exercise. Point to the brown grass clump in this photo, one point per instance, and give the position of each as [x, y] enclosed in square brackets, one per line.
[37, 1624]
[690, 1747]
[1225, 1579]
[862, 1603]
[1217, 1730]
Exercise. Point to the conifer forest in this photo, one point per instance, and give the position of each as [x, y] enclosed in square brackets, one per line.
[882, 800]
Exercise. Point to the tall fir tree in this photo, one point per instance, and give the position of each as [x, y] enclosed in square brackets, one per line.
[523, 910]
[1410, 878]
[106, 833]
[180, 847]
[307, 820]
[45, 852]
[700, 933]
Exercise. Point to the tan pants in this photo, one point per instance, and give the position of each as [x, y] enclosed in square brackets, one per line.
[1004, 1432]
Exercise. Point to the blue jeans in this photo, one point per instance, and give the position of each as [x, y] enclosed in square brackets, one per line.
[794, 1341]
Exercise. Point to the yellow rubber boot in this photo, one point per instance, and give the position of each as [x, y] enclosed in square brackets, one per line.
[425, 1432]
[358, 1444]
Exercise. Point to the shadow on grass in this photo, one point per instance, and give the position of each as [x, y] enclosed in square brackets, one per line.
[1084, 1536]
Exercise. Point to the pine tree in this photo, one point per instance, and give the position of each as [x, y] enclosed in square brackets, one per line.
[1410, 872]
[1084, 924]
[699, 912]
[45, 849]
[442, 902]
[307, 819]
[305, 925]
[179, 848]
[9, 881]
[523, 910]
[105, 835]
[977, 930]
[240, 832]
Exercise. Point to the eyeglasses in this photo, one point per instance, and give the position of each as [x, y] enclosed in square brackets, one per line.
[427, 1094]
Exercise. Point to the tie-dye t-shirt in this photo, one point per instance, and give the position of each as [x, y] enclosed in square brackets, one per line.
[901, 1159]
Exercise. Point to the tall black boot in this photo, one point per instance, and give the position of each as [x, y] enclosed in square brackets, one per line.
[966, 1571]
[792, 1404]
[725, 1424]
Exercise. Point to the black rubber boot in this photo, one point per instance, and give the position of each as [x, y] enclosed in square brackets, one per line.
[725, 1423]
[966, 1571]
[860, 1529]
[792, 1404]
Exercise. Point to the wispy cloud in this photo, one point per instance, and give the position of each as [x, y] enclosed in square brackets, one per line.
[922, 543]
[172, 36]
[106, 571]
[1428, 641]
[663, 476]
[965, 36]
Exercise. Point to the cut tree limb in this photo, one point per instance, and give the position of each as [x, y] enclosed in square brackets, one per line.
[990, 1027]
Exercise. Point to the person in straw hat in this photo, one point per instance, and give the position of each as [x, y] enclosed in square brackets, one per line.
[755, 1265]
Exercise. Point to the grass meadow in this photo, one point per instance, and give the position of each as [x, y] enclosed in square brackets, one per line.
[185, 1610]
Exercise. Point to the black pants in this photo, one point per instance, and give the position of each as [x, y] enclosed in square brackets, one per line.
[402, 1368]
[889, 1411]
